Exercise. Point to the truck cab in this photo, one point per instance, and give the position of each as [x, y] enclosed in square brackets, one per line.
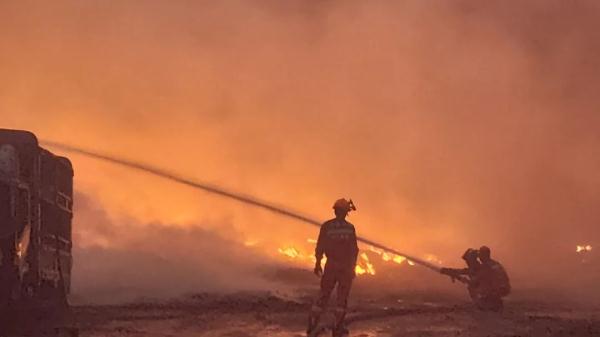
[36, 211]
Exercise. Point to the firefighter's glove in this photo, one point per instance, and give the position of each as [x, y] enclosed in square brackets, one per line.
[318, 270]
[449, 272]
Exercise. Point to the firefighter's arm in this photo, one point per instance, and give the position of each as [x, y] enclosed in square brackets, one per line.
[319, 251]
[454, 273]
[355, 250]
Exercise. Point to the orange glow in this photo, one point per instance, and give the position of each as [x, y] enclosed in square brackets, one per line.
[270, 102]
[250, 243]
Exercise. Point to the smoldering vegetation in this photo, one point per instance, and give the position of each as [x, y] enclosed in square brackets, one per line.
[121, 261]
[450, 124]
[127, 261]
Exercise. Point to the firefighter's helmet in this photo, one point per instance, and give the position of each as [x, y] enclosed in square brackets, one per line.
[471, 255]
[485, 253]
[344, 205]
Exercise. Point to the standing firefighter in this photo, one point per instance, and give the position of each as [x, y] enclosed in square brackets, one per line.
[337, 240]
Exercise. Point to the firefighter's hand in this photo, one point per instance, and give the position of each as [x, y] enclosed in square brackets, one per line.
[449, 272]
[318, 270]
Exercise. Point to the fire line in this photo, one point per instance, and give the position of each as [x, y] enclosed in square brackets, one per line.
[246, 199]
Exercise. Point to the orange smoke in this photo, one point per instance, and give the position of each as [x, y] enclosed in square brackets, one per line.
[444, 121]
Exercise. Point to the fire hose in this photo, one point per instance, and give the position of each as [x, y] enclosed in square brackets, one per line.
[246, 199]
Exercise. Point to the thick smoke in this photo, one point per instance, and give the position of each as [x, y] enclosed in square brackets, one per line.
[451, 124]
[124, 261]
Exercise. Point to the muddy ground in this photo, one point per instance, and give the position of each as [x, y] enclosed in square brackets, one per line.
[281, 315]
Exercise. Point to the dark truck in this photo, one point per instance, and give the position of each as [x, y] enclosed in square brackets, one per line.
[36, 210]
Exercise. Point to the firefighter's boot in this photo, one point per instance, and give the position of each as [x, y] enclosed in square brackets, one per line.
[339, 328]
[313, 319]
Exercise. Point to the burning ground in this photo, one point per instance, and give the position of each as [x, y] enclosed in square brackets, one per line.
[391, 297]
[171, 261]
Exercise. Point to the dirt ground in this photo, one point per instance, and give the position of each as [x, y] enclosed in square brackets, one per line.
[278, 315]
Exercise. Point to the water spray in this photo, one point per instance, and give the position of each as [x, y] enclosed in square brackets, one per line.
[246, 199]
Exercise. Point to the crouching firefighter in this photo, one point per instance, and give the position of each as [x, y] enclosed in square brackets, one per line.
[337, 241]
[469, 274]
[494, 283]
[486, 279]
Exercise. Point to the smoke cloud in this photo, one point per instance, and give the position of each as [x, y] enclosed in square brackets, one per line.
[128, 261]
[451, 125]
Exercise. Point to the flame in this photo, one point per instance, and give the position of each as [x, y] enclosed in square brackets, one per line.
[399, 259]
[376, 250]
[583, 248]
[20, 250]
[385, 256]
[432, 258]
[367, 264]
[364, 266]
[290, 252]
